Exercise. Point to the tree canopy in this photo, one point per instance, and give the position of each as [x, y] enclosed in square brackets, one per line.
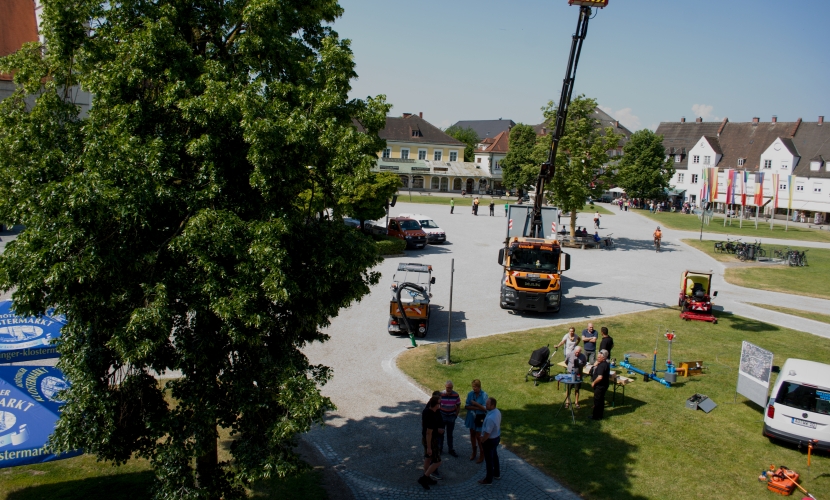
[520, 167]
[582, 158]
[180, 225]
[643, 171]
[367, 199]
[466, 135]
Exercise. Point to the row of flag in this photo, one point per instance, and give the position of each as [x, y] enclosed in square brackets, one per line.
[737, 183]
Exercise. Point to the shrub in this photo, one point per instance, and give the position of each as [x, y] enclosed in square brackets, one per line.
[388, 245]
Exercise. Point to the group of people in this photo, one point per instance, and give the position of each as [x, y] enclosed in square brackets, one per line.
[475, 204]
[483, 419]
[595, 352]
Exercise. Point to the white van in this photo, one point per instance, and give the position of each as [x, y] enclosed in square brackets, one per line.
[434, 233]
[799, 406]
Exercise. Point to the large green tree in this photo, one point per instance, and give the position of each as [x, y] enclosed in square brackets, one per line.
[366, 200]
[582, 160]
[644, 171]
[520, 166]
[466, 135]
[176, 226]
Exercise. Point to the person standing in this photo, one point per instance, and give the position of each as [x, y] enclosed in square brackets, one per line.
[492, 208]
[602, 377]
[505, 209]
[450, 406]
[452, 204]
[477, 410]
[431, 427]
[596, 220]
[475, 206]
[589, 340]
[490, 439]
[606, 343]
[571, 340]
[575, 362]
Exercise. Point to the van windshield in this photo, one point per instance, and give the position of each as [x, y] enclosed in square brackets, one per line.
[804, 397]
[428, 223]
[410, 225]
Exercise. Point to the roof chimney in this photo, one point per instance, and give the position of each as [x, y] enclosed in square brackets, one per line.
[420, 114]
[617, 124]
[407, 115]
[722, 125]
[755, 120]
[682, 119]
[699, 119]
[820, 120]
[795, 127]
[774, 119]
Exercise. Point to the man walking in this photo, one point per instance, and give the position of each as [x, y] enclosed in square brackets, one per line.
[450, 406]
[602, 377]
[505, 209]
[452, 204]
[589, 340]
[492, 208]
[431, 427]
[490, 439]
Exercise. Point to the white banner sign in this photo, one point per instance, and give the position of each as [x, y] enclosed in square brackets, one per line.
[754, 373]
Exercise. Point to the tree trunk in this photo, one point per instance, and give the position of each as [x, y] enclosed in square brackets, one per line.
[573, 223]
[206, 465]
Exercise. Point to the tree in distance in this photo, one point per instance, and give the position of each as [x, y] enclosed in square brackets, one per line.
[520, 167]
[182, 226]
[366, 199]
[643, 171]
[582, 159]
[466, 135]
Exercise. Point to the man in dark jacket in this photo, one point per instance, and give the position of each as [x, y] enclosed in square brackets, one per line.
[606, 342]
[602, 377]
[431, 425]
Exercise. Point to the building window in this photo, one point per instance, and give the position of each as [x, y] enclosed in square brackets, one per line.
[785, 165]
[707, 160]
[816, 188]
[387, 152]
[767, 163]
[696, 159]
[437, 155]
[418, 182]
[497, 165]
[741, 162]
[422, 154]
[404, 180]
[434, 183]
[694, 178]
[478, 160]
[405, 154]
[453, 155]
[680, 178]
[416, 133]
[456, 184]
[782, 187]
[677, 158]
[799, 187]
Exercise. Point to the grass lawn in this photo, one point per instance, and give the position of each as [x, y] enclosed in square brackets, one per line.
[809, 280]
[83, 478]
[686, 222]
[824, 318]
[650, 446]
[484, 201]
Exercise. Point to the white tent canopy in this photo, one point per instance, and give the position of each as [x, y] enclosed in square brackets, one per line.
[616, 190]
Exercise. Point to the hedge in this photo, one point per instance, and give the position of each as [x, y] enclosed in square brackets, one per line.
[388, 245]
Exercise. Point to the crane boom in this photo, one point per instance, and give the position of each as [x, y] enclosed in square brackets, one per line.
[548, 169]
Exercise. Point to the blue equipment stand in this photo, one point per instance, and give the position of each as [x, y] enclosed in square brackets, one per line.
[569, 380]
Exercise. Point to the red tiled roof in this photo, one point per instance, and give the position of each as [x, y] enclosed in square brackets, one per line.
[500, 143]
[17, 26]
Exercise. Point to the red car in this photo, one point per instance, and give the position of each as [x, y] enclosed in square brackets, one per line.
[408, 230]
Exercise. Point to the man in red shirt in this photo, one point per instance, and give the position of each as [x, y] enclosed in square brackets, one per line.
[450, 406]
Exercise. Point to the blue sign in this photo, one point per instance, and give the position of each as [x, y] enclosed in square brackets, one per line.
[26, 338]
[29, 409]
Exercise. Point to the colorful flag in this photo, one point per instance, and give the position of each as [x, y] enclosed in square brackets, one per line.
[744, 178]
[775, 187]
[759, 189]
[790, 188]
[713, 183]
[730, 186]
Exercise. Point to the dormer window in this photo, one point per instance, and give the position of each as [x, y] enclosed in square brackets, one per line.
[741, 162]
[416, 132]
[815, 166]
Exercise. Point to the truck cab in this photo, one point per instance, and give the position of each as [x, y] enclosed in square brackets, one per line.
[408, 230]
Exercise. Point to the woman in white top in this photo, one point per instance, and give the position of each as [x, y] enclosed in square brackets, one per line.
[571, 339]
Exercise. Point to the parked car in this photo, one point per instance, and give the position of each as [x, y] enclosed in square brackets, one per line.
[799, 406]
[408, 230]
[374, 228]
[434, 233]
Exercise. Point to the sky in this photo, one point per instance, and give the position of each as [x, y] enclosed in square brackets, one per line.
[644, 61]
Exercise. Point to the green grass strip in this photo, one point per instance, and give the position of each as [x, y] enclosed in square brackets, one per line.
[690, 222]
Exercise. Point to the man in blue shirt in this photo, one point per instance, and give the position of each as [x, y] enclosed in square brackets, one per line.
[589, 340]
[490, 439]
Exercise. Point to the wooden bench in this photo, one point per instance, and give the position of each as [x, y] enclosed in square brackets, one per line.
[815, 226]
[582, 242]
[688, 368]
